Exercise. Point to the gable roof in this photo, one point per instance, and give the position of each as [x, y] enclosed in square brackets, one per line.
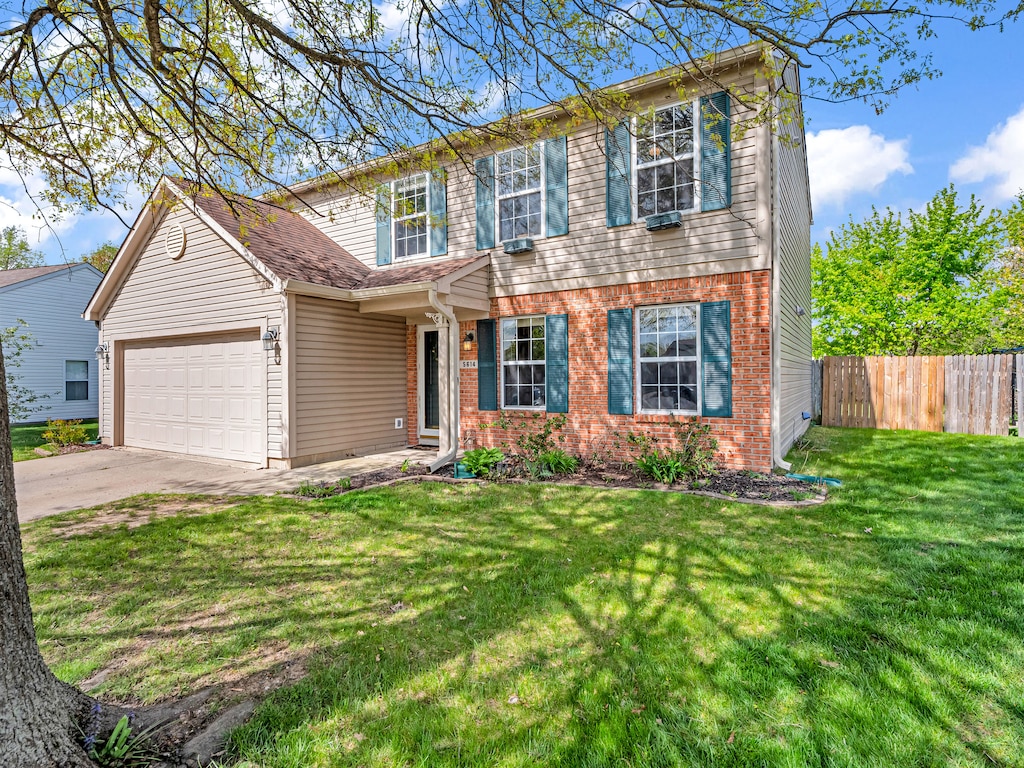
[15, 276]
[289, 245]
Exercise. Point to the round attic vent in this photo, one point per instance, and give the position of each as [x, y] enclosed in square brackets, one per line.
[174, 241]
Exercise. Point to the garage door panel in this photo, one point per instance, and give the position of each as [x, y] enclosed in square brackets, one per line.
[202, 399]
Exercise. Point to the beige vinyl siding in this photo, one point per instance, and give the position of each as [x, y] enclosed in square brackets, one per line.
[592, 253]
[210, 289]
[350, 380]
[794, 263]
[472, 286]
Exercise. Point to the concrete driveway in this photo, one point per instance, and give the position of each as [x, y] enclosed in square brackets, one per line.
[79, 480]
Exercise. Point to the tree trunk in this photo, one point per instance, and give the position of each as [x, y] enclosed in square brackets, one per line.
[38, 713]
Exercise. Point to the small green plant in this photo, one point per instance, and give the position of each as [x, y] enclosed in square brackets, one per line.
[692, 457]
[63, 432]
[405, 466]
[480, 461]
[663, 467]
[345, 483]
[313, 490]
[123, 749]
[558, 462]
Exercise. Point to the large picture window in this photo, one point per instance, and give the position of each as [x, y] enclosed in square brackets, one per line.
[409, 218]
[665, 152]
[76, 379]
[520, 183]
[667, 350]
[523, 370]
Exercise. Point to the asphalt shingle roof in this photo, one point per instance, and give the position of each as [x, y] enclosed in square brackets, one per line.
[13, 276]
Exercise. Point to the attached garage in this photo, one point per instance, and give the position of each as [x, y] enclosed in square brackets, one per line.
[197, 397]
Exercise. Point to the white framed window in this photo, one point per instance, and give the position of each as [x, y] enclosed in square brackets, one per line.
[519, 174]
[76, 379]
[668, 364]
[666, 160]
[523, 369]
[410, 201]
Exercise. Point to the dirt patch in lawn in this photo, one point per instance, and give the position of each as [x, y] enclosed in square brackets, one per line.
[140, 512]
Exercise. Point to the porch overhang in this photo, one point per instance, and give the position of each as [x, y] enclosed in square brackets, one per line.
[464, 290]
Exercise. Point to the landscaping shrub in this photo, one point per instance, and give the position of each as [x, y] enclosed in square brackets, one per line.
[480, 461]
[557, 462]
[64, 432]
[693, 457]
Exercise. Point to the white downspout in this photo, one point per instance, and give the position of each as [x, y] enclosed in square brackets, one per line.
[448, 440]
[775, 308]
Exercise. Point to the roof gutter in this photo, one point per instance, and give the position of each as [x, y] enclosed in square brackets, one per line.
[452, 385]
[358, 294]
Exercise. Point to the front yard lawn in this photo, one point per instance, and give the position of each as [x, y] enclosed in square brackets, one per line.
[489, 625]
[26, 439]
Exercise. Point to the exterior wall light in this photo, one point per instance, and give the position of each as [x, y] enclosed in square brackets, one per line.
[270, 339]
[467, 342]
[103, 354]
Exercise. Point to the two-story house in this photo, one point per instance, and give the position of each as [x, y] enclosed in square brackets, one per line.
[625, 275]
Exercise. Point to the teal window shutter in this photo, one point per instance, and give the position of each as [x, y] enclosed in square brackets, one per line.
[383, 225]
[484, 203]
[618, 200]
[486, 366]
[716, 359]
[556, 363]
[715, 133]
[438, 213]
[556, 180]
[620, 361]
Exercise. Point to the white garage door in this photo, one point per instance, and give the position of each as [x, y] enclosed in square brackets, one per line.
[203, 399]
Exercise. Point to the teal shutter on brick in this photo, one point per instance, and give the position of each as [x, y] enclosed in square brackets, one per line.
[484, 203]
[556, 363]
[716, 359]
[486, 366]
[715, 132]
[618, 201]
[556, 180]
[383, 225]
[620, 361]
[438, 213]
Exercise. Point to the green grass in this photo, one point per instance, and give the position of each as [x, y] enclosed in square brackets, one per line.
[533, 625]
[25, 439]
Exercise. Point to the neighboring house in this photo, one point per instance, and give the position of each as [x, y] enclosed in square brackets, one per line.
[60, 368]
[624, 275]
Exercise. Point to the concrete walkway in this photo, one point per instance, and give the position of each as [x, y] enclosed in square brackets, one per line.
[79, 480]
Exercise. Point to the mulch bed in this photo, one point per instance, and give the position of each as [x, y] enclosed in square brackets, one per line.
[732, 485]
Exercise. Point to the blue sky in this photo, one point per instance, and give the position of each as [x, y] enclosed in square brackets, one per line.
[966, 127]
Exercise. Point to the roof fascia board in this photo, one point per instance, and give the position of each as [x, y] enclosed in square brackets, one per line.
[358, 294]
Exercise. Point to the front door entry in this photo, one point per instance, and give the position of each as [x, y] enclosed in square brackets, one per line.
[430, 416]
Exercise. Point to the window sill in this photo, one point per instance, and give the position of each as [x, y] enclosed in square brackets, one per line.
[533, 408]
[660, 415]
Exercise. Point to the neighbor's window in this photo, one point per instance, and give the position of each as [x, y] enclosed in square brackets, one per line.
[522, 362]
[519, 192]
[664, 160]
[410, 216]
[76, 379]
[668, 358]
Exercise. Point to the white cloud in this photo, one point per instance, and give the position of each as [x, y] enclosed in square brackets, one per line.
[1000, 158]
[847, 161]
[21, 206]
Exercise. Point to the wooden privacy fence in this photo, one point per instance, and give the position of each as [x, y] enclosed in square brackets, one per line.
[971, 394]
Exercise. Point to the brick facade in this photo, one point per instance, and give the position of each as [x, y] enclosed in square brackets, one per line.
[744, 441]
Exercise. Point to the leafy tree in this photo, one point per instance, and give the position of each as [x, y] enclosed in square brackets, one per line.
[14, 341]
[925, 285]
[15, 252]
[102, 256]
[1009, 325]
[102, 98]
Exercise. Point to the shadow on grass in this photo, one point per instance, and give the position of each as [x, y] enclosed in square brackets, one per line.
[515, 626]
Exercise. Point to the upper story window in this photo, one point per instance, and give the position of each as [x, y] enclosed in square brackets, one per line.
[665, 161]
[519, 175]
[667, 357]
[523, 358]
[409, 220]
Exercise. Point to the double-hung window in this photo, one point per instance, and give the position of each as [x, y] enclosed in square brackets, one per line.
[523, 368]
[520, 184]
[76, 379]
[409, 219]
[668, 349]
[665, 161]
